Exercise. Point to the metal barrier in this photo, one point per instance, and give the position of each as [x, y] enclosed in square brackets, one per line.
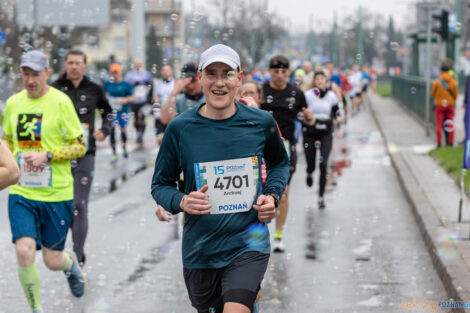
[411, 92]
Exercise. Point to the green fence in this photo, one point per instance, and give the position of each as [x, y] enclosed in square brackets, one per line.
[411, 92]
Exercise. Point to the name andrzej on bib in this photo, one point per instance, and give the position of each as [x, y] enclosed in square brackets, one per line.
[232, 184]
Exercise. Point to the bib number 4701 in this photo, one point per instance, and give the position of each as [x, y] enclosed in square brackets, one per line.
[236, 181]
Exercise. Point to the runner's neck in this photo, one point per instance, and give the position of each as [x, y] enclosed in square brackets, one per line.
[282, 87]
[40, 94]
[209, 112]
[76, 82]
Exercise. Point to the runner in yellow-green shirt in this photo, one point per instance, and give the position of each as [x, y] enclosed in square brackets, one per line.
[43, 131]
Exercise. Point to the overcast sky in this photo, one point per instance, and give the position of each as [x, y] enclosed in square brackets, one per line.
[299, 11]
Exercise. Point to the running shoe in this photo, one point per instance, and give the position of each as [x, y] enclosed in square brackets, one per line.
[114, 159]
[309, 180]
[278, 245]
[75, 277]
[321, 203]
[125, 154]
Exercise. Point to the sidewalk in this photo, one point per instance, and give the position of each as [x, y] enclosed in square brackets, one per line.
[433, 195]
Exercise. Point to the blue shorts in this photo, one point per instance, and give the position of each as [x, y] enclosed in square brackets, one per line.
[122, 117]
[47, 222]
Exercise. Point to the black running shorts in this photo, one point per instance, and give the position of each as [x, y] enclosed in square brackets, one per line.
[237, 282]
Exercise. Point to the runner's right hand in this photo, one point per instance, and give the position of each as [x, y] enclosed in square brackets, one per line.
[249, 101]
[162, 214]
[196, 202]
[181, 84]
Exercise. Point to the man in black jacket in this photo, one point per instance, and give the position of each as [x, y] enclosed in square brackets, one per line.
[86, 97]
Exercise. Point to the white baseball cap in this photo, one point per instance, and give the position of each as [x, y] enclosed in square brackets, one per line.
[219, 53]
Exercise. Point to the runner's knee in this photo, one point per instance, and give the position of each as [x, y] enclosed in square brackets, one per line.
[25, 250]
[53, 259]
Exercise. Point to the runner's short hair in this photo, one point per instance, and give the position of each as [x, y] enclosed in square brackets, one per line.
[317, 73]
[76, 52]
[279, 61]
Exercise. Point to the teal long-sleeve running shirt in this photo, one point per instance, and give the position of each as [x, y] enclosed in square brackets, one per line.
[215, 240]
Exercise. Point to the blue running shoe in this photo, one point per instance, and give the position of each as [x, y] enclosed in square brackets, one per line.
[75, 277]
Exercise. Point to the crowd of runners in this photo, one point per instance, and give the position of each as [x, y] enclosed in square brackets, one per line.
[228, 145]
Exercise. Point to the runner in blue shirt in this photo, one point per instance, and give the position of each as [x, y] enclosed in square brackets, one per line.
[120, 95]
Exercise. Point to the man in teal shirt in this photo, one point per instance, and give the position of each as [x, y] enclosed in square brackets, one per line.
[219, 146]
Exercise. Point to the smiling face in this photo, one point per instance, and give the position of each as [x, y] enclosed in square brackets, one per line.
[220, 84]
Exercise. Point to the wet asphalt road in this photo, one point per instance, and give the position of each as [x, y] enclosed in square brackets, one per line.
[369, 256]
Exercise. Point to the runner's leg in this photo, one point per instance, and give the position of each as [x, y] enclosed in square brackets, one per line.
[310, 155]
[326, 144]
[83, 179]
[112, 139]
[24, 219]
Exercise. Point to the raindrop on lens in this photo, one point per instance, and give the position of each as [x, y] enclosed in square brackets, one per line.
[231, 75]
[174, 17]
[316, 91]
[82, 98]
[269, 99]
[84, 180]
[83, 111]
[216, 33]
[300, 116]
[449, 126]
[73, 163]
[413, 90]
[317, 144]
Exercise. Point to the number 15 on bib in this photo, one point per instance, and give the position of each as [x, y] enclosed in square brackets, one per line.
[232, 184]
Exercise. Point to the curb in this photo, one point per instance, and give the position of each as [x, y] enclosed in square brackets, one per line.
[427, 220]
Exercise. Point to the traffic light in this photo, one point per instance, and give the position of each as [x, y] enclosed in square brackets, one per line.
[443, 29]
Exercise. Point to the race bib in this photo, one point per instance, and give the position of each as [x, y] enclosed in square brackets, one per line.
[86, 134]
[233, 184]
[115, 103]
[140, 93]
[34, 176]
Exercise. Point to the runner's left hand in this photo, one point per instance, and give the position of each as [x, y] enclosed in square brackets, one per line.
[98, 135]
[249, 101]
[309, 118]
[35, 158]
[266, 208]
